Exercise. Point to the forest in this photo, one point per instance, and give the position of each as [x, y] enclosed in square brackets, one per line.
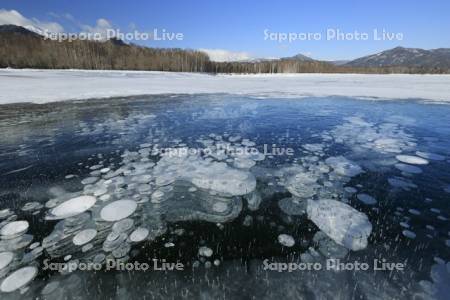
[25, 49]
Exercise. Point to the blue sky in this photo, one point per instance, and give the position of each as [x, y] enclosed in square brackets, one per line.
[238, 26]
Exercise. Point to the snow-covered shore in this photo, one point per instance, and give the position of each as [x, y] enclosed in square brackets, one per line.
[42, 86]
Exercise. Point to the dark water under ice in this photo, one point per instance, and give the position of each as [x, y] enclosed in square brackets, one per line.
[46, 151]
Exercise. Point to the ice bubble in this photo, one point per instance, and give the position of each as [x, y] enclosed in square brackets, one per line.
[302, 185]
[409, 234]
[366, 199]
[14, 229]
[84, 237]
[411, 159]
[118, 210]
[414, 211]
[286, 240]
[72, 207]
[205, 251]
[342, 223]
[123, 225]
[220, 207]
[169, 245]
[343, 166]
[400, 182]
[293, 206]
[327, 247]
[430, 156]
[89, 180]
[18, 279]
[139, 234]
[243, 163]
[408, 168]
[5, 259]
[350, 189]
[248, 221]
[254, 199]
[50, 288]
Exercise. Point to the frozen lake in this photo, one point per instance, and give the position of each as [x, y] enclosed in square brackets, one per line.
[225, 185]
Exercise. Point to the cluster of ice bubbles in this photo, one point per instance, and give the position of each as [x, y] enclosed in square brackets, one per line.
[123, 205]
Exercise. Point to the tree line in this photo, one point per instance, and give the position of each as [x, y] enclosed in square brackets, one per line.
[19, 50]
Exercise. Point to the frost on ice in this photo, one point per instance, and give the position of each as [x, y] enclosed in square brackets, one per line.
[342, 223]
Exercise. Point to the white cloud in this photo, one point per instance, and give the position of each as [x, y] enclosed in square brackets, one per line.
[101, 27]
[221, 55]
[15, 18]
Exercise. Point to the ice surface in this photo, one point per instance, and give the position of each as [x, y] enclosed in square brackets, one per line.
[41, 86]
[342, 223]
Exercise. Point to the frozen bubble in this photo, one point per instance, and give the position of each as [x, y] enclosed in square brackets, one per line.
[342, 223]
[343, 166]
[118, 210]
[302, 185]
[84, 237]
[72, 207]
[404, 224]
[34, 245]
[350, 189]
[220, 207]
[430, 156]
[32, 206]
[139, 234]
[248, 221]
[408, 168]
[87, 247]
[411, 159]
[254, 199]
[5, 213]
[286, 240]
[243, 163]
[409, 234]
[327, 247]
[414, 211]
[89, 180]
[205, 251]
[217, 262]
[366, 199]
[169, 245]
[105, 170]
[18, 279]
[123, 225]
[14, 229]
[50, 288]
[400, 182]
[293, 206]
[5, 259]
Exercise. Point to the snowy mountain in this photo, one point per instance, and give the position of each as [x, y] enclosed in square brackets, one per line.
[20, 30]
[405, 57]
[298, 57]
